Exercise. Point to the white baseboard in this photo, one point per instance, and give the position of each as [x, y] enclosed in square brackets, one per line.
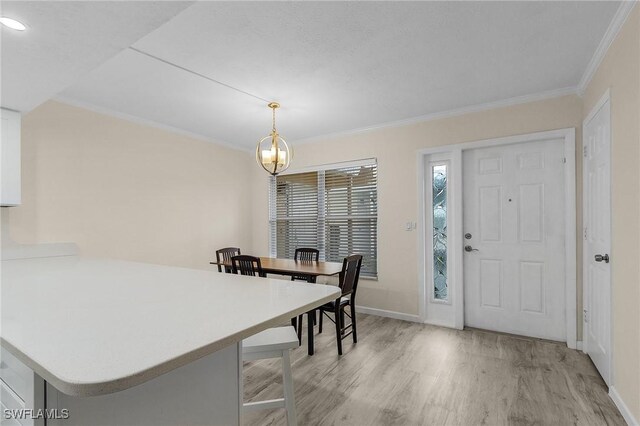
[388, 314]
[440, 323]
[579, 345]
[624, 410]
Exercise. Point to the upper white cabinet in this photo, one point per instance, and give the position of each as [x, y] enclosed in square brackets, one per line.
[9, 157]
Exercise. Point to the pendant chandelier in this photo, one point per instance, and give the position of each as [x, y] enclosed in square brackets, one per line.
[272, 152]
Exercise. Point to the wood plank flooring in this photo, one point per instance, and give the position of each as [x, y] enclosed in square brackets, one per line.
[402, 373]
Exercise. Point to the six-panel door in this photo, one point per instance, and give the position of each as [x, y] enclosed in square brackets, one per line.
[514, 273]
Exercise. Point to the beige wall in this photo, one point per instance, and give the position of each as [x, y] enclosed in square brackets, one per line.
[124, 190]
[396, 151]
[620, 72]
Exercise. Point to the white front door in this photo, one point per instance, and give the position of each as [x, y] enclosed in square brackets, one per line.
[597, 235]
[514, 226]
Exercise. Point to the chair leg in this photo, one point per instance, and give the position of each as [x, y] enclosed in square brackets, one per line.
[310, 332]
[338, 329]
[289, 397]
[320, 321]
[354, 333]
[299, 329]
[342, 322]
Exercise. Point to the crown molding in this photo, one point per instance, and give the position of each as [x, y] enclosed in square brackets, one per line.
[550, 94]
[145, 122]
[616, 24]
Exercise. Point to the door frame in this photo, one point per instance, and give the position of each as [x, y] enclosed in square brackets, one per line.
[606, 97]
[455, 318]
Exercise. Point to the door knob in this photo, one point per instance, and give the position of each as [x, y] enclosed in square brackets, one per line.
[469, 248]
[601, 257]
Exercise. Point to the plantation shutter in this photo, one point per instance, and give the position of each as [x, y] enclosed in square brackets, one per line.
[296, 213]
[351, 215]
[334, 210]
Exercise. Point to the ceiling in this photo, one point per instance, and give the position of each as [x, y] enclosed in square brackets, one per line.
[334, 66]
[67, 39]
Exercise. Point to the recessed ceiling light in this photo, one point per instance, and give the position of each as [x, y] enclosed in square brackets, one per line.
[12, 23]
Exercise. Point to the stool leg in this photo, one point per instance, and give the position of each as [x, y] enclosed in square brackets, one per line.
[289, 397]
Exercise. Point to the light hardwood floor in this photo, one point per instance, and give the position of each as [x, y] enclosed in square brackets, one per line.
[405, 373]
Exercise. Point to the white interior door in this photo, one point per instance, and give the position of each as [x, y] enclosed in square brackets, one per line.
[514, 225]
[597, 235]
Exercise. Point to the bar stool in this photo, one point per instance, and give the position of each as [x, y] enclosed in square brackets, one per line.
[274, 343]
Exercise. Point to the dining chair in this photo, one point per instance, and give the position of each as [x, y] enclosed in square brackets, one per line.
[305, 254]
[348, 282]
[225, 255]
[247, 265]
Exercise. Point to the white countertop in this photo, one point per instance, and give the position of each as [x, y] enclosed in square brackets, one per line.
[96, 326]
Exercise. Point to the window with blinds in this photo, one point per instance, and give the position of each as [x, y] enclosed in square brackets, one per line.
[334, 210]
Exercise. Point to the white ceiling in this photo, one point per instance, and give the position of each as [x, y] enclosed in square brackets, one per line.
[65, 40]
[334, 66]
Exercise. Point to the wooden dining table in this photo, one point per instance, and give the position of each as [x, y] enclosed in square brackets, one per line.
[310, 270]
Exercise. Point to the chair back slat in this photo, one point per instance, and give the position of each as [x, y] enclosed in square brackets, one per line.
[350, 274]
[307, 254]
[247, 265]
[225, 255]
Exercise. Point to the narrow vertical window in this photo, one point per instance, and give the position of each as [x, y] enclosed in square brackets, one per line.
[440, 232]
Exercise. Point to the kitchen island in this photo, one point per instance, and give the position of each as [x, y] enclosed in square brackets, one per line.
[117, 342]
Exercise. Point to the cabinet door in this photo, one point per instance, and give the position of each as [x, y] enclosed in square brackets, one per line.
[21, 392]
[9, 157]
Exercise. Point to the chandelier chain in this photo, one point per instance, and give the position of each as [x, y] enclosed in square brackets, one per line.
[274, 119]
